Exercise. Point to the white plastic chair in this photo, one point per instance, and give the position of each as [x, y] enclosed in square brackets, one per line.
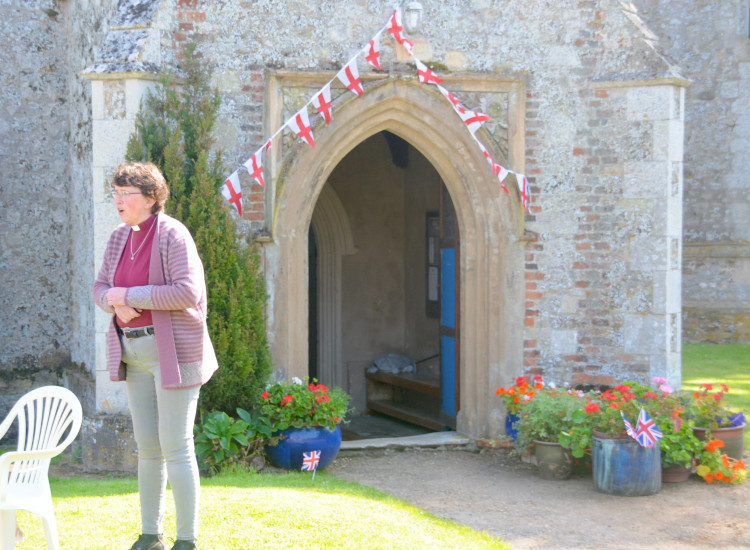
[44, 415]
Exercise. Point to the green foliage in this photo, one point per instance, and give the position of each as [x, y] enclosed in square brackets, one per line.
[173, 130]
[221, 440]
[299, 404]
[546, 416]
[578, 437]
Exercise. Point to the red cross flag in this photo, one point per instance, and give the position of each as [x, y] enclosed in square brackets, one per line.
[523, 189]
[300, 125]
[232, 191]
[426, 75]
[322, 102]
[501, 173]
[255, 166]
[473, 119]
[453, 99]
[395, 27]
[372, 52]
[349, 76]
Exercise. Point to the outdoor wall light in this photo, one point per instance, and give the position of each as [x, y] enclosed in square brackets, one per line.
[412, 16]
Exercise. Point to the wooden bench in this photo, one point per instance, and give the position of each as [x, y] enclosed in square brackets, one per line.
[411, 397]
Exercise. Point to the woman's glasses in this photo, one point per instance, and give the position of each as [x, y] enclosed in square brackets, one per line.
[123, 195]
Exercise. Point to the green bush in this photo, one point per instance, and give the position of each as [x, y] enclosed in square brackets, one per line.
[221, 440]
[173, 130]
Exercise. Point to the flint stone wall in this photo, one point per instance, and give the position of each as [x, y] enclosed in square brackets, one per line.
[709, 40]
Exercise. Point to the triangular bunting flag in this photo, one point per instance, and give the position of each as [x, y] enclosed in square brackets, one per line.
[523, 189]
[232, 191]
[473, 119]
[450, 97]
[395, 27]
[300, 125]
[254, 166]
[322, 102]
[501, 174]
[349, 76]
[426, 75]
[372, 52]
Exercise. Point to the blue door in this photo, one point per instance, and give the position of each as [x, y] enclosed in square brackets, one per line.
[448, 332]
[450, 379]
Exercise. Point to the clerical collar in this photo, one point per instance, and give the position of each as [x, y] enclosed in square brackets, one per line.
[146, 224]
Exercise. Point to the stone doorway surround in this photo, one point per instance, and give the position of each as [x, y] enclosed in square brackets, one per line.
[490, 222]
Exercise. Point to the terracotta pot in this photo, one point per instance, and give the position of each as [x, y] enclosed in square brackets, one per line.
[674, 473]
[554, 461]
[733, 438]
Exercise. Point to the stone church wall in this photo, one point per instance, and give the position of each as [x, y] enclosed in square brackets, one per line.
[45, 154]
[711, 43]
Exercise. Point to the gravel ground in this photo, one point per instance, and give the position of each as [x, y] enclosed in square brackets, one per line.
[494, 491]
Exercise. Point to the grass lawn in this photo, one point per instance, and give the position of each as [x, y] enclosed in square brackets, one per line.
[254, 511]
[716, 364]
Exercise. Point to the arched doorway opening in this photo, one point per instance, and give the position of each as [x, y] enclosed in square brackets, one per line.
[397, 290]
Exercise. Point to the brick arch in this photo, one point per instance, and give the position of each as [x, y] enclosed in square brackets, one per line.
[490, 223]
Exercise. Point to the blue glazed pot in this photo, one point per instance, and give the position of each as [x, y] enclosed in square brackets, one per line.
[623, 467]
[295, 441]
[510, 426]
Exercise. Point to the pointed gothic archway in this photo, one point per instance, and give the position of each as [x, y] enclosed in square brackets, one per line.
[489, 225]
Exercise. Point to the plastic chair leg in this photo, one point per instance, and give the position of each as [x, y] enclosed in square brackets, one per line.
[50, 531]
[7, 529]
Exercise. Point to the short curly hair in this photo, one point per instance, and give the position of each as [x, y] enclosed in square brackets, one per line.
[147, 177]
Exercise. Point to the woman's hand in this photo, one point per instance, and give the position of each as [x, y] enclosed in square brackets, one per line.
[126, 313]
[116, 296]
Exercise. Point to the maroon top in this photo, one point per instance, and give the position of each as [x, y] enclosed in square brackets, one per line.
[134, 272]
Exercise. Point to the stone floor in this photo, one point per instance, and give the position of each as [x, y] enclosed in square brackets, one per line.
[378, 426]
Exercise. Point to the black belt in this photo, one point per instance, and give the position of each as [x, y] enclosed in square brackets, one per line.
[131, 333]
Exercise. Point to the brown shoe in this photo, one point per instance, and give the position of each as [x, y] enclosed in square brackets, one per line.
[149, 542]
[184, 545]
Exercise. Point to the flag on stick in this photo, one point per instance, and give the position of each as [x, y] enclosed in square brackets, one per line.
[310, 461]
[647, 433]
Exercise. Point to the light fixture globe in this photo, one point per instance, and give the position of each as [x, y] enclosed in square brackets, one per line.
[412, 16]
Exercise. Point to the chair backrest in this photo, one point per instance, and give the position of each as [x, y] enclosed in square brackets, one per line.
[44, 416]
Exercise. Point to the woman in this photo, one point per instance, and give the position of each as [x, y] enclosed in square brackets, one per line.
[152, 282]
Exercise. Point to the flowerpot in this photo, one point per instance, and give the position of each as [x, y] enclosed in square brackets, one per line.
[555, 462]
[510, 426]
[674, 473]
[622, 467]
[296, 441]
[733, 438]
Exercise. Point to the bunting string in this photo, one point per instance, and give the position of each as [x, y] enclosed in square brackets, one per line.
[299, 123]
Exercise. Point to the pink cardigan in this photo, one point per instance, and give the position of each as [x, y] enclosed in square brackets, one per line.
[176, 296]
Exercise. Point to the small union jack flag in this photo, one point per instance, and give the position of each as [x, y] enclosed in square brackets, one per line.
[646, 431]
[628, 426]
[310, 460]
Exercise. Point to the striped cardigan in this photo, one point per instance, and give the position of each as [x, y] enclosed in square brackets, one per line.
[176, 296]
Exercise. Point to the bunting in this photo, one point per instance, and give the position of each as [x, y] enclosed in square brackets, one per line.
[372, 52]
[299, 123]
[322, 102]
[349, 77]
[232, 191]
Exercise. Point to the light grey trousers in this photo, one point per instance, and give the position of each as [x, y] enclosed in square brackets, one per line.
[163, 428]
